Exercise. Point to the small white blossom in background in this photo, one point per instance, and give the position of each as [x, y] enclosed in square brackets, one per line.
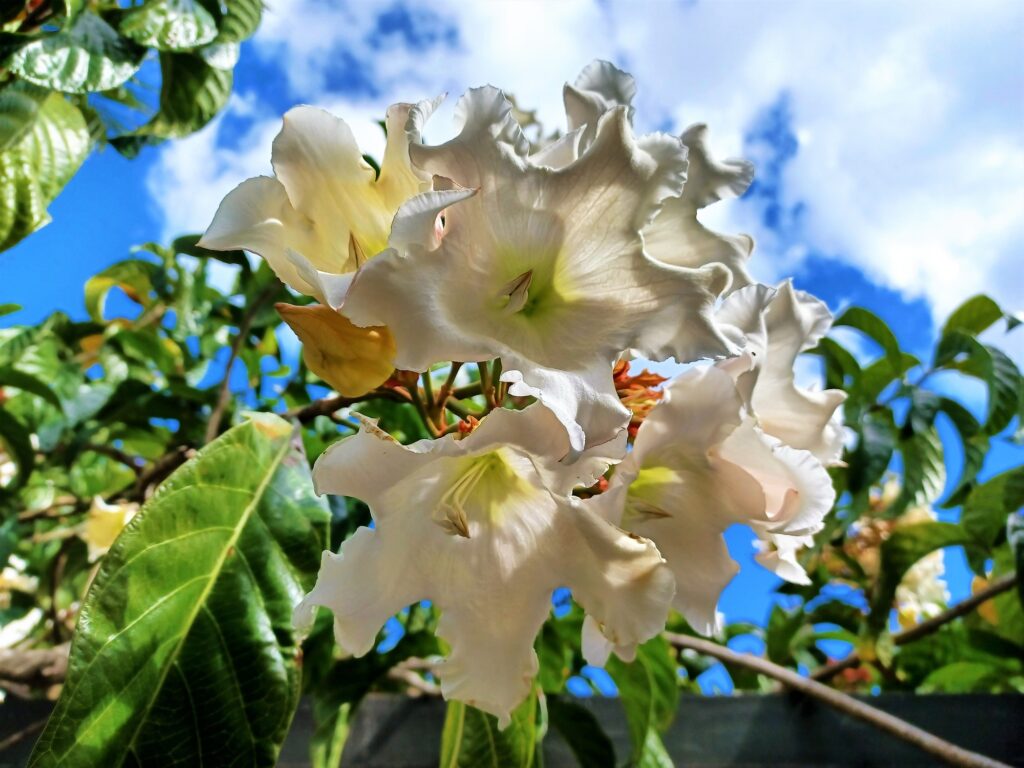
[551, 262]
[103, 523]
[923, 592]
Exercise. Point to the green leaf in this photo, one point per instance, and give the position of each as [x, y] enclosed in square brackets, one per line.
[1015, 537]
[169, 25]
[185, 650]
[962, 352]
[133, 276]
[1004, 391]
[975, 446]
[989, 505]
[842, 370]
[191, 94]
[973, 316]
[89, 56]
[582, 732]
[875, 446]
[875, 328]
[924, 470]
[649, 691]
[11, 377]
[19, 105]
[904, 547]
[15, 436]
[965, 677]
[471, 738]
[240, 21]
[35, 170]
[9, 309]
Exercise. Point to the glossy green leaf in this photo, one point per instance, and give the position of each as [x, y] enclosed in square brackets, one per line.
[904, 547]
[973, 316]
[35, 169]
[988, 507]
[89, 56]
[240, 20]
[12, 377]
[9, 309]
[1015, 537]
[874, 327]
[649, 691]
[924, 470]
[169, 25]
[185, 651]
[975, 445]
[472, 739]
[962, 352]
[966, 677]
[842, 370]
[133, 276]
[191, 94]
[19, 105]
[870, 458]
[582, 732]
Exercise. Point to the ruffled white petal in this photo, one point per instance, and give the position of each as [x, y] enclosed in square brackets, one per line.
[600, 87]
[801, 418]
[470, 525]
[779, 555]
[677, 237]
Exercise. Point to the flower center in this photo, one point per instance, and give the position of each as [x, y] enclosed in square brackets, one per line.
[480, 487]
[649, 495]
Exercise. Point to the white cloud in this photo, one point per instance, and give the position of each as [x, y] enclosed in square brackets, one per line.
[908, 116]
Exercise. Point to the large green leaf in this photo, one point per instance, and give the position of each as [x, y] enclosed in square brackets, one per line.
[169, 25]
[973, 316]
[988, 507]
[240, 20]
[11, 377]
[89, 56]
[924, 470]
[35, 169]
[1015, 538]
[975, 444]
[185, 651]
[899, 552]
[19, 105]
[471, 738]
[133, 276]
[960, 351]
[649, 690]
[193, 91]
[582, 732]
[875, 328]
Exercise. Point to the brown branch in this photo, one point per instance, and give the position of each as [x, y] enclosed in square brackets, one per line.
[117, 455]
[901, 729]
[328, 405]
[224, 392]
[24, 733]
[159, 471]
[926, 627]
[35, 667]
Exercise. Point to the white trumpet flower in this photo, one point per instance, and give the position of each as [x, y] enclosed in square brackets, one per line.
[486, 528]
[542, 267]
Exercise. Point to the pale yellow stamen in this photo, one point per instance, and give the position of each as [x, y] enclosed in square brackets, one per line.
[516, 291]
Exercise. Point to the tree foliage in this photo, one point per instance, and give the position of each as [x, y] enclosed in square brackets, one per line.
[75, 76]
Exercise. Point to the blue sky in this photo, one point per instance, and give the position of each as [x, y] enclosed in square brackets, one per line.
[888, 140]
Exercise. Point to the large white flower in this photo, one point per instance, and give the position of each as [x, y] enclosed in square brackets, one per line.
[486, 528]
[324, 212]
[699, 464]
[779, 324]
[541, 267]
